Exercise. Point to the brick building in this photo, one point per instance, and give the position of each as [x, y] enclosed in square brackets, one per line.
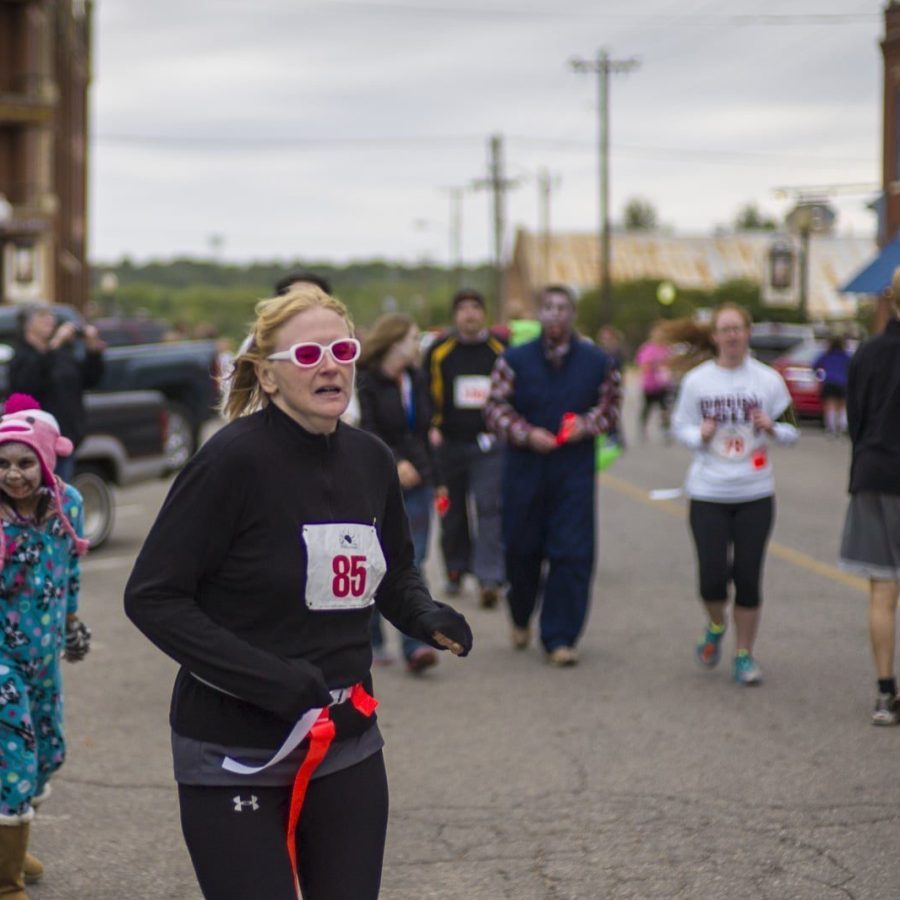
[44, 76]
[890, 48]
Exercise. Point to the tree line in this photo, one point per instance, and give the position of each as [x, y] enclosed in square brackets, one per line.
[203, 296]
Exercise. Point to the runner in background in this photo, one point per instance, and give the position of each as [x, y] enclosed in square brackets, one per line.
[653, 358]
[458, 368]
[728, 412]
[393, 403]
[832, 367]
[549, 400]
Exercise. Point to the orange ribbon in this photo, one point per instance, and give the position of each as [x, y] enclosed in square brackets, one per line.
[320, 737]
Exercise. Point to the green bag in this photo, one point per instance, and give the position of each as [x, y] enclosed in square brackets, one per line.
[607, 452]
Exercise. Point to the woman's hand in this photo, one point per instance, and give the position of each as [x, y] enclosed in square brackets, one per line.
[446, 628]
[449, 643]
[761, 421]
[408, 474]
[708, 429]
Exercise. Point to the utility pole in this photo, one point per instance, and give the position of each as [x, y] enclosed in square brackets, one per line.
[603, 66]
[456, 195]
[546, 182]
[498, 184]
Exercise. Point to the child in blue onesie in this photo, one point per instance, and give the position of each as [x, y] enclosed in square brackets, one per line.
[40, 542]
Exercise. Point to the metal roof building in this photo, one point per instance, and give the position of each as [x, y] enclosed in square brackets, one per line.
[688, 261]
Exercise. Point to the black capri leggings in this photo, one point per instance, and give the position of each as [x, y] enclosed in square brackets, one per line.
[236, 837]
[731, 543]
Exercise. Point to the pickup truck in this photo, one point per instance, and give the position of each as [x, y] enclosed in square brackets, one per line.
[125, 444]
[184, 371]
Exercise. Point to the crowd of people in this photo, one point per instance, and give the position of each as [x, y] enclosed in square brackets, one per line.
[301, 529]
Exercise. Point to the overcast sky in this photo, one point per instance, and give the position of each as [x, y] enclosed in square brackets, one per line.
[332, 129]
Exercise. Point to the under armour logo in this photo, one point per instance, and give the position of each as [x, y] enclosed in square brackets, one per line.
[240, 804]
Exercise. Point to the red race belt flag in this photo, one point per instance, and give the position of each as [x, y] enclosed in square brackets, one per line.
[566, 427]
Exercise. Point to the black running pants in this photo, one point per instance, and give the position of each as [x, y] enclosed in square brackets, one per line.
[236, 837]
[731, 543]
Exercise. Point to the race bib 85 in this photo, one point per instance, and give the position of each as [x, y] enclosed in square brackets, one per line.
[345, 565]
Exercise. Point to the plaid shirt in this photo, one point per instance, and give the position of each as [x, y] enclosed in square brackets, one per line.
[506, 422]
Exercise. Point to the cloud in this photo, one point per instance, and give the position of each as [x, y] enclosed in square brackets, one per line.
[336, 125]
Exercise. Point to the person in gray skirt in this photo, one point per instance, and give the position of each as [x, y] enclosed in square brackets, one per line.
[871, 540]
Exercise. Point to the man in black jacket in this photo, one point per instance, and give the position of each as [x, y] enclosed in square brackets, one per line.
[56, 369]
[459, 368]
[871, 539]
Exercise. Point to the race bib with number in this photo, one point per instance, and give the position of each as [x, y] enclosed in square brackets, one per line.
[345, 565]
[733, 441]
[471, 391]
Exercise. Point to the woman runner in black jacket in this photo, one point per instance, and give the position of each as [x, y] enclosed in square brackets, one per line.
[259, 577]
[394, 404]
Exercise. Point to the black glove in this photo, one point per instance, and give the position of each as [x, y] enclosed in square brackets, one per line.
[78, 640]
[446, 621]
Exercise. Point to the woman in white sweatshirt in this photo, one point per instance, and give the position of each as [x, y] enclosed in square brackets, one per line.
[728, 413]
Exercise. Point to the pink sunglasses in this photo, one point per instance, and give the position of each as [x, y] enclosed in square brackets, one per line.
[309, 354]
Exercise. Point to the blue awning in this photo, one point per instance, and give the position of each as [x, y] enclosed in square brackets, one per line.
[876, 276]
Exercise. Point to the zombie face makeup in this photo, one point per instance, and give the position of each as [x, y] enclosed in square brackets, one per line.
[20, 471]
[557, 316]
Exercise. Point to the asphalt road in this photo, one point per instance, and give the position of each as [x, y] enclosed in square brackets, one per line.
[634, 775]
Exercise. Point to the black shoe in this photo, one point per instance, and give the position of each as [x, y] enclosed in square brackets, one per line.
[490, 594]
[420, 659]
[454, 584]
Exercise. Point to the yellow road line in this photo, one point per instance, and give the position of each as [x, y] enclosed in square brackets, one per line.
[788, 554]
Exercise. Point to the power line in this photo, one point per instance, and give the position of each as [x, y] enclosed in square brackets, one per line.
[227, 143]
[686, 18]
[275, 142]
[690, 153]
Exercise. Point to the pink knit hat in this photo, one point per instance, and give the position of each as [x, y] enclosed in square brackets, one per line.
[24, 422]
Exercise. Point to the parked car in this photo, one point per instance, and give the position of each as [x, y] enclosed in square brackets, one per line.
[796, 368]
[802, 380]
[119, 331]
[185, 372]
[770, 340]
[125, 444]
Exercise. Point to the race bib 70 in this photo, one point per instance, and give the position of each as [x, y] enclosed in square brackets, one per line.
[734, 441]
[345, 565]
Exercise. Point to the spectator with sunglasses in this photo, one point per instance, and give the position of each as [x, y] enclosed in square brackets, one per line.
[259, 577]
[394, 404]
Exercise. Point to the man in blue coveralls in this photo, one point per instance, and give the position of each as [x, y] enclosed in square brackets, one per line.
[549, 399]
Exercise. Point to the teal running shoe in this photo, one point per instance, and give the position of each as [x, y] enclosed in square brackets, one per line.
[746, 671]
[709, 649]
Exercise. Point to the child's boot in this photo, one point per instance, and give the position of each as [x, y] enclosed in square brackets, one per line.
[13, 841]
[32, 869]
